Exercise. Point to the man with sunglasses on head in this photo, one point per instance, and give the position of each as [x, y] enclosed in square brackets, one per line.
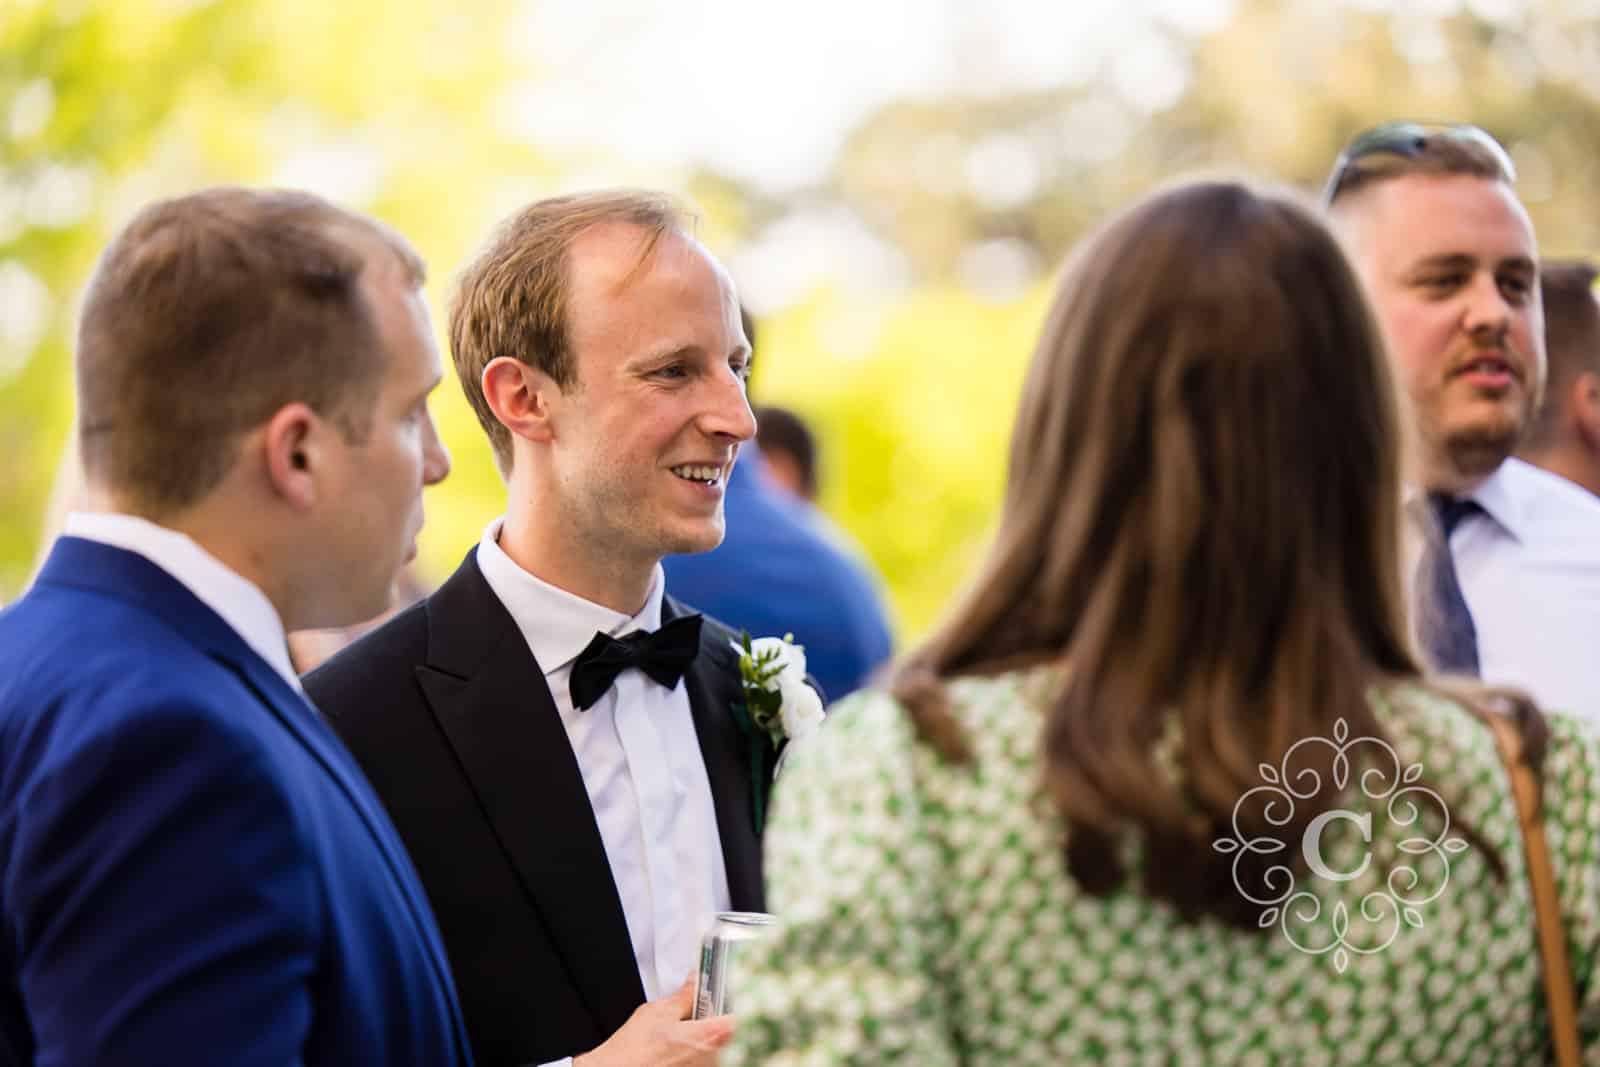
[1509, 589]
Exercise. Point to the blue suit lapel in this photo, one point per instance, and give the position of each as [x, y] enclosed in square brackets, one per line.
[299, 718]
[78, 563]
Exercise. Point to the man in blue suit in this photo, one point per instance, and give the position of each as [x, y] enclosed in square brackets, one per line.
[193, 870]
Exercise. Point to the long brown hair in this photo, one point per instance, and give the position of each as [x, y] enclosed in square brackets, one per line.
[1202, 522]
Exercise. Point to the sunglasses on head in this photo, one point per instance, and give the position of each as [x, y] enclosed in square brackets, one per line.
[1410, 140]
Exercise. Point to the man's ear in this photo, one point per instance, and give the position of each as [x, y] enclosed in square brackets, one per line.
[294, 443]
[1585, 400]
[522, 397]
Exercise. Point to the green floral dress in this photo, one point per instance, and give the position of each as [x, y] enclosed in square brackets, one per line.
[926, 916]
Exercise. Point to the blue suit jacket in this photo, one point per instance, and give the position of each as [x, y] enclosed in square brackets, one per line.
[192, 868]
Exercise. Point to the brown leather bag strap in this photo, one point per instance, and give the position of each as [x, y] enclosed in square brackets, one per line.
[1558, 986]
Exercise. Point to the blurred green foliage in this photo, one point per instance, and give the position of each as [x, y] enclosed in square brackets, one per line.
[147, 98]
[105, 104]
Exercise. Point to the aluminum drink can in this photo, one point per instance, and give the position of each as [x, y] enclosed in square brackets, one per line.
[719, 953]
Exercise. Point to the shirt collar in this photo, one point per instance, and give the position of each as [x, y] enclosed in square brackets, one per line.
[1500, 499]
[240, 603]
[557, 624]
[1499, 495]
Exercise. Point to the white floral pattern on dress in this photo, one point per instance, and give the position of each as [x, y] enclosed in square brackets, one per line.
[926, 917]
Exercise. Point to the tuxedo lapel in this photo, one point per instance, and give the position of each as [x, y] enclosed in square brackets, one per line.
[489, 697]
[712, 682]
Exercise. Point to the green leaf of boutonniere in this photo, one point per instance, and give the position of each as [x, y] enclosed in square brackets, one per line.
[779, 706]
[763, 756]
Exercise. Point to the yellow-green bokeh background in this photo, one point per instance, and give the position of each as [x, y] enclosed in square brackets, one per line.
[105, 104]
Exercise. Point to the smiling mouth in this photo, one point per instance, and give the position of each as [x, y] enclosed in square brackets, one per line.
[701, 474]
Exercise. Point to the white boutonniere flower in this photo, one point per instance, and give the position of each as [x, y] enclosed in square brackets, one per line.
[779, 707]
[772, 672]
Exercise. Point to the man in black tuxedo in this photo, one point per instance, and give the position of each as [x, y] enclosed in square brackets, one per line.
[575, 790]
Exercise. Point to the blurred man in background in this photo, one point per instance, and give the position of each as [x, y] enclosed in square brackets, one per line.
[1565, 439]
[790, 449]
[1511, 592]
[196, 870]
[780, 570]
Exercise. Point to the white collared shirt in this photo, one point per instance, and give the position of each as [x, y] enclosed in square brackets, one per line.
[1530, 571]
[639, 754]
[240, 602]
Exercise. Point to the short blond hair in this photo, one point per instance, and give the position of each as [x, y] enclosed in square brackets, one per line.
[511, 300]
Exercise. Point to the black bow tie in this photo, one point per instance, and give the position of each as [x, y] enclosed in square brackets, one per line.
[663, 655]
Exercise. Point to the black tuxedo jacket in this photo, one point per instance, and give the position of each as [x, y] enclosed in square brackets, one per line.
[450, 717]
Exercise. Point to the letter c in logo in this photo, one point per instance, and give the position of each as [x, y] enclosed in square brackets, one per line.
[1311, 844]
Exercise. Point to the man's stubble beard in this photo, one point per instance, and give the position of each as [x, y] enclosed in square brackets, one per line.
[1474, 453]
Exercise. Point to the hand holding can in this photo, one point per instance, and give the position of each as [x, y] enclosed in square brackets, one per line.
[720, 950]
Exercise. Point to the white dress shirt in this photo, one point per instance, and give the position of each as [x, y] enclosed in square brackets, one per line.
[240, 602]
[639, 754]
[1530, 571]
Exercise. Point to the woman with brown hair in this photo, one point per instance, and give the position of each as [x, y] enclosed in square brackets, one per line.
[1166, 785]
